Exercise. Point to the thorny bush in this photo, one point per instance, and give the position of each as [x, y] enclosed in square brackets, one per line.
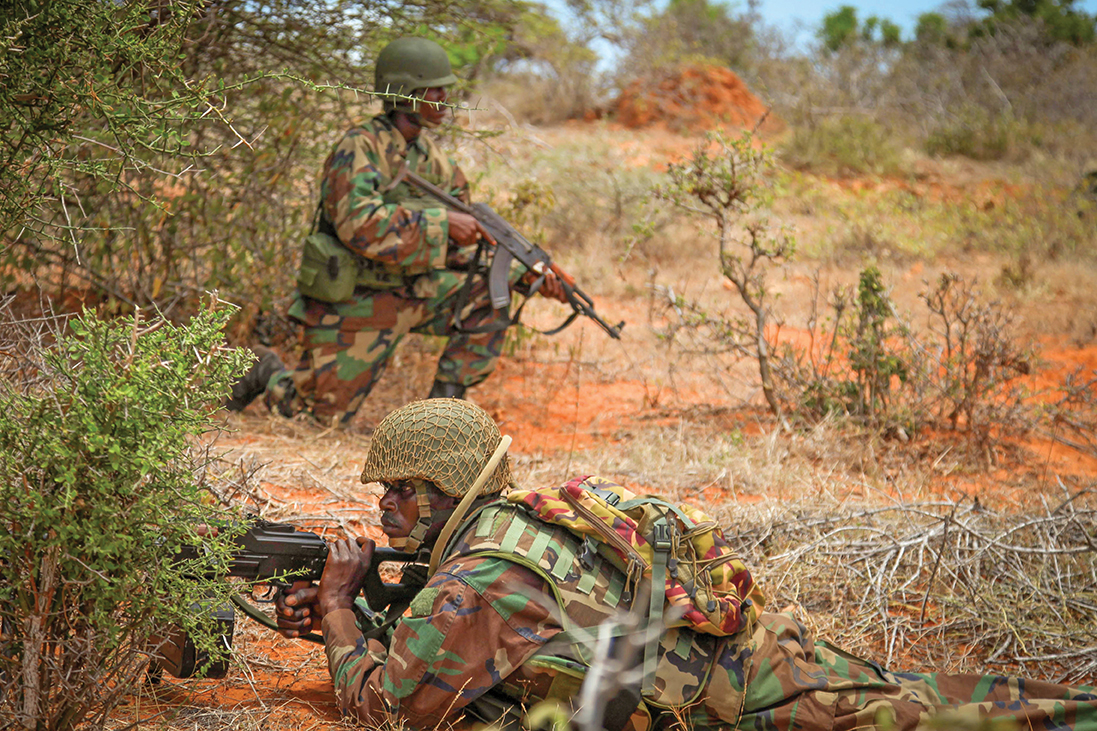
[862, 360]
[100, 483]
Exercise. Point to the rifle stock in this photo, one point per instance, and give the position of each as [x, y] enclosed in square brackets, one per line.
[511, 244]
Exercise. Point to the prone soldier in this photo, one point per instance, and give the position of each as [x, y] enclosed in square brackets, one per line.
[509, 590]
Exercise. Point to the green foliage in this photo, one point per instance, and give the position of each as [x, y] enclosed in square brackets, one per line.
[975, 133]
[65, 62]
[1061, 21]
[842, 28]
[98, 486]
[932, 29]
[865, 365]
[839, 28]
[872, 357]
[873, 368]
[843, 145]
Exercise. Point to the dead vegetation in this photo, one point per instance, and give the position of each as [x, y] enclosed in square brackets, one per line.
[949, 584]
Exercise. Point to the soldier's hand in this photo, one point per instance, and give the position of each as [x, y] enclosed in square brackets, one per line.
[466, 230]
[344, 574]
[298, 610]
[551, 287]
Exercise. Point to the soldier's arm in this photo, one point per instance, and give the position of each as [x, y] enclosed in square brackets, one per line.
[459, 185]
[353, 200]
[470, 628]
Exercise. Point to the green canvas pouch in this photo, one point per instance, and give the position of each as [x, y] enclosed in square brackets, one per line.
[328, 270]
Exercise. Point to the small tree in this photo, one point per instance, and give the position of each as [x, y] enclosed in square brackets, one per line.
[99, 485]
[723, 182]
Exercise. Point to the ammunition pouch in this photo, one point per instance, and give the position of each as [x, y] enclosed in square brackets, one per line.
[330, 272]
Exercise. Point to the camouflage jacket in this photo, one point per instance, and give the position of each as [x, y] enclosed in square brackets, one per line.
[358, 201]
[489, 618]
[361, 204]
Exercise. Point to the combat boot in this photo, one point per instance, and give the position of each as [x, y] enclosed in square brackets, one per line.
[447, 390]
[254, 382]
[281, 396]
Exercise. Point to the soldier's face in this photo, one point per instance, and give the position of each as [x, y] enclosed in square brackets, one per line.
[400, 507]
[432, 112]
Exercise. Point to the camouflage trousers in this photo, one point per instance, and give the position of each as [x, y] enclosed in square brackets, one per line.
[348, 344]
[795, 683]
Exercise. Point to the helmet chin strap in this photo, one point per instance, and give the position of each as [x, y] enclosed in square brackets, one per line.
[414, 541]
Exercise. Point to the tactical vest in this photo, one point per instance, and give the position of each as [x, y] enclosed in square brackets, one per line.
[589, 589]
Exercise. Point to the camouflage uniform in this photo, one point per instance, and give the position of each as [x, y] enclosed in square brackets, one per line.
[347, 344]
[485, 622]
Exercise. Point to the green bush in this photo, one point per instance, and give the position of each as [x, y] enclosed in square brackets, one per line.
[843, 145]
[99, 483]
[976, 134]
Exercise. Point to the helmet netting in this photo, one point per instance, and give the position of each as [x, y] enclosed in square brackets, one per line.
[446, 441]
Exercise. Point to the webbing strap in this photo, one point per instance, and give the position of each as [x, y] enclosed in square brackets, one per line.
[590, 577]
[616, 586]
[661, 544]
[486, 522]
[564, 561]
[649, 500]
[540, 543]
[514, 532]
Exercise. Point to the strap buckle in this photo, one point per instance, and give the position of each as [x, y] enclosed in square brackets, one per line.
[660, 537]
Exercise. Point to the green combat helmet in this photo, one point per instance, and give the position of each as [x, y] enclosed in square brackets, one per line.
[409, 64]
[442, 441]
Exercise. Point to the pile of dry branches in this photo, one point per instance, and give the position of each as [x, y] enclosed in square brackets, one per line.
[940, 586]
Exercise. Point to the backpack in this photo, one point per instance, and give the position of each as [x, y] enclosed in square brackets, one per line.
[599, 546]
[679, 549]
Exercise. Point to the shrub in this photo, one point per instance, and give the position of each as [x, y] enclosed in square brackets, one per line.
[960, 374]
[976, 134]
[843, 145]
[99, 479]
[722, 182]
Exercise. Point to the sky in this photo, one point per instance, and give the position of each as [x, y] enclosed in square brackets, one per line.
[904, 13]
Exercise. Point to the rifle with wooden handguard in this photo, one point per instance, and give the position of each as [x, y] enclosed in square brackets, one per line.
[279, 554]
[513, 245]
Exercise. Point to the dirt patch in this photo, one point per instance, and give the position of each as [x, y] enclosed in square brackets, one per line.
[694, 98]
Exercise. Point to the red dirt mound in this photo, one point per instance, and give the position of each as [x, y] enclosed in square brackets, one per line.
[694, 98]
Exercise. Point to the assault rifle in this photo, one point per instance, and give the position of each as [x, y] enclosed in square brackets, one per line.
[513, 245]
[277, 555]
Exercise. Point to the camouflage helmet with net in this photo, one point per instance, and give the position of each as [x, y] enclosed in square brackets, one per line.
[445, 441]
[410, 64]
